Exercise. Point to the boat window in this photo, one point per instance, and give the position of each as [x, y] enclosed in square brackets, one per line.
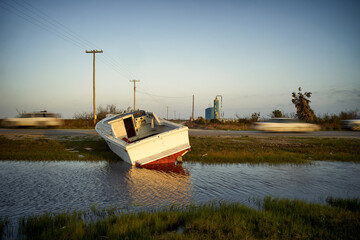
[129, 126]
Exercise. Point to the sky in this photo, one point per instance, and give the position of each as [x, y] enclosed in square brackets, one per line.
[252, 53]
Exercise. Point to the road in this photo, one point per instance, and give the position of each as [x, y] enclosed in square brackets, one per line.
[327, 134]
[193, 132]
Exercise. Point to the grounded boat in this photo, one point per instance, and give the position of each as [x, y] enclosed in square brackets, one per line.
[141, 138]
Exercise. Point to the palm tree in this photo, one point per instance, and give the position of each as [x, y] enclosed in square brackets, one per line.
[303, 109]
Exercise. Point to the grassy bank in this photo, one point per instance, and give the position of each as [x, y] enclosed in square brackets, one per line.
[3, 225]
[271, 149]
[78, 148]
[275, 219]
[204, 149]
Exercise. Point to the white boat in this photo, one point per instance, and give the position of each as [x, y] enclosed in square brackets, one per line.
[141, 138]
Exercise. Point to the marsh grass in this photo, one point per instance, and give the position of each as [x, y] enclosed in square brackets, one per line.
[78, 123]
[48, 149]
[275, 219]
[4, 222]
[347, 204]
[271, 150]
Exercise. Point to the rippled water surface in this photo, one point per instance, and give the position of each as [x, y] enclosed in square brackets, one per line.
[35, 187]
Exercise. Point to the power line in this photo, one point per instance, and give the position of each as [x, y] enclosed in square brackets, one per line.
[37, 17]
[154, 95]
[123, 68]
[52, 21]
[36, 22]
[115, 67]
[107, 58]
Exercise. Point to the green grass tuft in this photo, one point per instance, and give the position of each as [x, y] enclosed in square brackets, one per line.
[47, 149]
[4, 222]
[274, 150]
[276, 219]
[210, 150]
[347, 204]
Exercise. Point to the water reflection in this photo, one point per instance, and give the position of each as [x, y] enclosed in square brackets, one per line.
[159, 185]
[28, 187]
[35, 187]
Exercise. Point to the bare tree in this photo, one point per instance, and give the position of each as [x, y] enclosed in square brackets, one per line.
[109, 109]
[255, 117]
[303, 109]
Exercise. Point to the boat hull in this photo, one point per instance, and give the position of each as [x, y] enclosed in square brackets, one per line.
[165, 147]
[122, 153]
[168, 159]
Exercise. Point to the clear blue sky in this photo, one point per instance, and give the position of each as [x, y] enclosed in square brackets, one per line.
[253, 53]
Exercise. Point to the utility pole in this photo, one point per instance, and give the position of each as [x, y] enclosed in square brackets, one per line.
[192, 117]
[93, 52]
[134, 81]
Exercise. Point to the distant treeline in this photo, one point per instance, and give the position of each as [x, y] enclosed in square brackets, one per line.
[86, 120]
[325, 121]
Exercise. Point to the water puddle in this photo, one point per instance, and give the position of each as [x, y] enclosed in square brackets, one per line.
[31, 187]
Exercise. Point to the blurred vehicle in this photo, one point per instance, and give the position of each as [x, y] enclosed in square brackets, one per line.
[351, 124]
[34, 119]
[285, 125]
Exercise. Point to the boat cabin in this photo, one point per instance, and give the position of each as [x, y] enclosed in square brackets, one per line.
[136, 126]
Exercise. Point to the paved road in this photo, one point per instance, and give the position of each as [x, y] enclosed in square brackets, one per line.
[192, 132]
[328, 134]
[48, 132]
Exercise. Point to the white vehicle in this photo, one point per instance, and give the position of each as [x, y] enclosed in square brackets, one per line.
[352, 124]
[34, 119]
[285, 125]
[141, 138]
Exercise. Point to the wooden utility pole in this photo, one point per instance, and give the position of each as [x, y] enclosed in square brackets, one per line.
[192, 117]
[93, 52]
[134, 81]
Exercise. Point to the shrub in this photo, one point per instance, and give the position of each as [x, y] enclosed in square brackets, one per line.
[276, 114]
[200, 120]
[216, 121]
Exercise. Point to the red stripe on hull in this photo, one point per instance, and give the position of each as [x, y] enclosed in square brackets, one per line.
[167, 167]
[169, 159]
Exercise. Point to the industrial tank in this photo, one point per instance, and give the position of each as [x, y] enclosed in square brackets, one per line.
[209, 113]
[216, 108]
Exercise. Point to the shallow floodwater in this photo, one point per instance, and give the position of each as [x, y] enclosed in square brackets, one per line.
[28, 188]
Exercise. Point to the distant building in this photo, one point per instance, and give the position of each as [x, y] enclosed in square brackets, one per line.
[214, 112]
[209, 113]
[217, 113]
